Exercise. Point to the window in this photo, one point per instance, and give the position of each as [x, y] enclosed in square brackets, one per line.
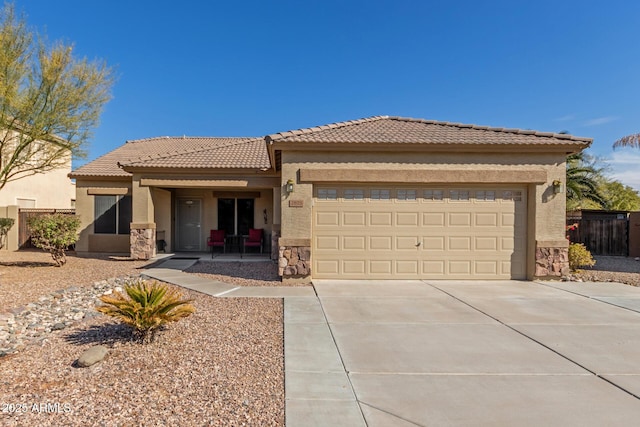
[433, 194]
[486, 196]
[459, 195]
[406, 195]
[516, 196]
[353, 194]
[327, 194]
[112, 214]
[380, 194]
[235, 216]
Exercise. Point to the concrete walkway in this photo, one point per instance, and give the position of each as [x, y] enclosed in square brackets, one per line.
[418, 353]
[171, 271]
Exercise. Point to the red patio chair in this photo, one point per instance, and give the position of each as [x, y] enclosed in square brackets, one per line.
[217, 239]
[254, 239]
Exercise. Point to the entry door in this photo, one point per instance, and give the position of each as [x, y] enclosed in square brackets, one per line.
[189, 229]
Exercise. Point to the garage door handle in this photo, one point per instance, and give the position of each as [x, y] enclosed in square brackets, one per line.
[419, 243]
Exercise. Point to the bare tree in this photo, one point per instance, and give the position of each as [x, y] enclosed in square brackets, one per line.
[50, 101]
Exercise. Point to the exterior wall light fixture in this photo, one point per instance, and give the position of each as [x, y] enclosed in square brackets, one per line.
[558, 187]
[289, 186]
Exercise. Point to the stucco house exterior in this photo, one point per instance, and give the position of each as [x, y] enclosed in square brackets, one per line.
[52, 190]
[381, 197]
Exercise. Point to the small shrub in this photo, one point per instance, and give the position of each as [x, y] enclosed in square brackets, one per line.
[579, 256]
[146, 308]
[54, 233]
[5, 226]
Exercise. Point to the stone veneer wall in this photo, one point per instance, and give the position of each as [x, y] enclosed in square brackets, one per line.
[294, 261]
[552, 261]
[143, 243]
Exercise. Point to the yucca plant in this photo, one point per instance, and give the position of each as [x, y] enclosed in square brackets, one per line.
[146, 307]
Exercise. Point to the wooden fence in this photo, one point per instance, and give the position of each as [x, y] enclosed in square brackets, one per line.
[601, 236]
[24, 234]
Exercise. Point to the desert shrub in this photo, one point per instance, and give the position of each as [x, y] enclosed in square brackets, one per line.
[5, 226]
[579, 256]
[146, 307]
[54, 233]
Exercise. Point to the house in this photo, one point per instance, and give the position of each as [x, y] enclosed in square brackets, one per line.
[46, 190]
[380, 198]
[52, 190]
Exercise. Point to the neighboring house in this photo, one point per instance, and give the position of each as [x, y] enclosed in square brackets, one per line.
[50, 190]
[376, 198]
[47, 190]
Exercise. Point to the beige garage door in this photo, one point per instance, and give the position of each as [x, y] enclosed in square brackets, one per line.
[419, 232]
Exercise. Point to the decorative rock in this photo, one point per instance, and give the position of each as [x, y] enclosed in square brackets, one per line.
[33, 322]
[294, 261]
[58, 326]
[92, 356]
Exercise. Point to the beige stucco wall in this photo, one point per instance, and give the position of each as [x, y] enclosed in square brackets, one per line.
[546, 217]
[162, 203]
[52, 190]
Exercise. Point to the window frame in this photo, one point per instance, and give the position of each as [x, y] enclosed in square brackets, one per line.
[121, 212]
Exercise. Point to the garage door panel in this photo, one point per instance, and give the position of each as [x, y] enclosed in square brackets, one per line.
[380, 243]
[459, 243]
[508, 220]
[327, 218]
[327, 243]
[433, 219]
[407, 219]
[483, 237]
[383, 267]
[486, 267]
[404, 267]
[406, 243]
[460, 267]
[380, 219]
[486, 243]
[433, 268]
[460, 219]
[354, 243]
[354, 267]
[489, 219]
[327, 267]
[435, 243]
[352, 219]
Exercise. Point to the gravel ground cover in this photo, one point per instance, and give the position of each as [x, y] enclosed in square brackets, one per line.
[262, 273]
[27, 275]
[224, 365]
[612, 269]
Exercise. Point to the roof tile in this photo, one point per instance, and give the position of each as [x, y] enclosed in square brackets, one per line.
[402, 130]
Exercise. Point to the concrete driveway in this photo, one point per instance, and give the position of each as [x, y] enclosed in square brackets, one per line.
[433, 353]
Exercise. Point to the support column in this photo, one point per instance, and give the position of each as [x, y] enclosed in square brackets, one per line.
[294, 260]
[143, 226]
[552, 259]
[143, 240]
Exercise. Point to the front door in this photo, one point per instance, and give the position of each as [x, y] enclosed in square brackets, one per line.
[189, 233]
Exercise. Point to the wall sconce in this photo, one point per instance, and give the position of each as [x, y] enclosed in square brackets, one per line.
[289, 186]
[558, 187]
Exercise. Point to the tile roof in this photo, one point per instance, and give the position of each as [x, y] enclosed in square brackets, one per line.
[180, 152]
[402, 130]
[251, 153]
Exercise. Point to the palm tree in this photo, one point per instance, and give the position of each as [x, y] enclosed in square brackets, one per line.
[582, 181]
[628, 141]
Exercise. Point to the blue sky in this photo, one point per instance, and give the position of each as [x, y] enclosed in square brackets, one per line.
[256, 67]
